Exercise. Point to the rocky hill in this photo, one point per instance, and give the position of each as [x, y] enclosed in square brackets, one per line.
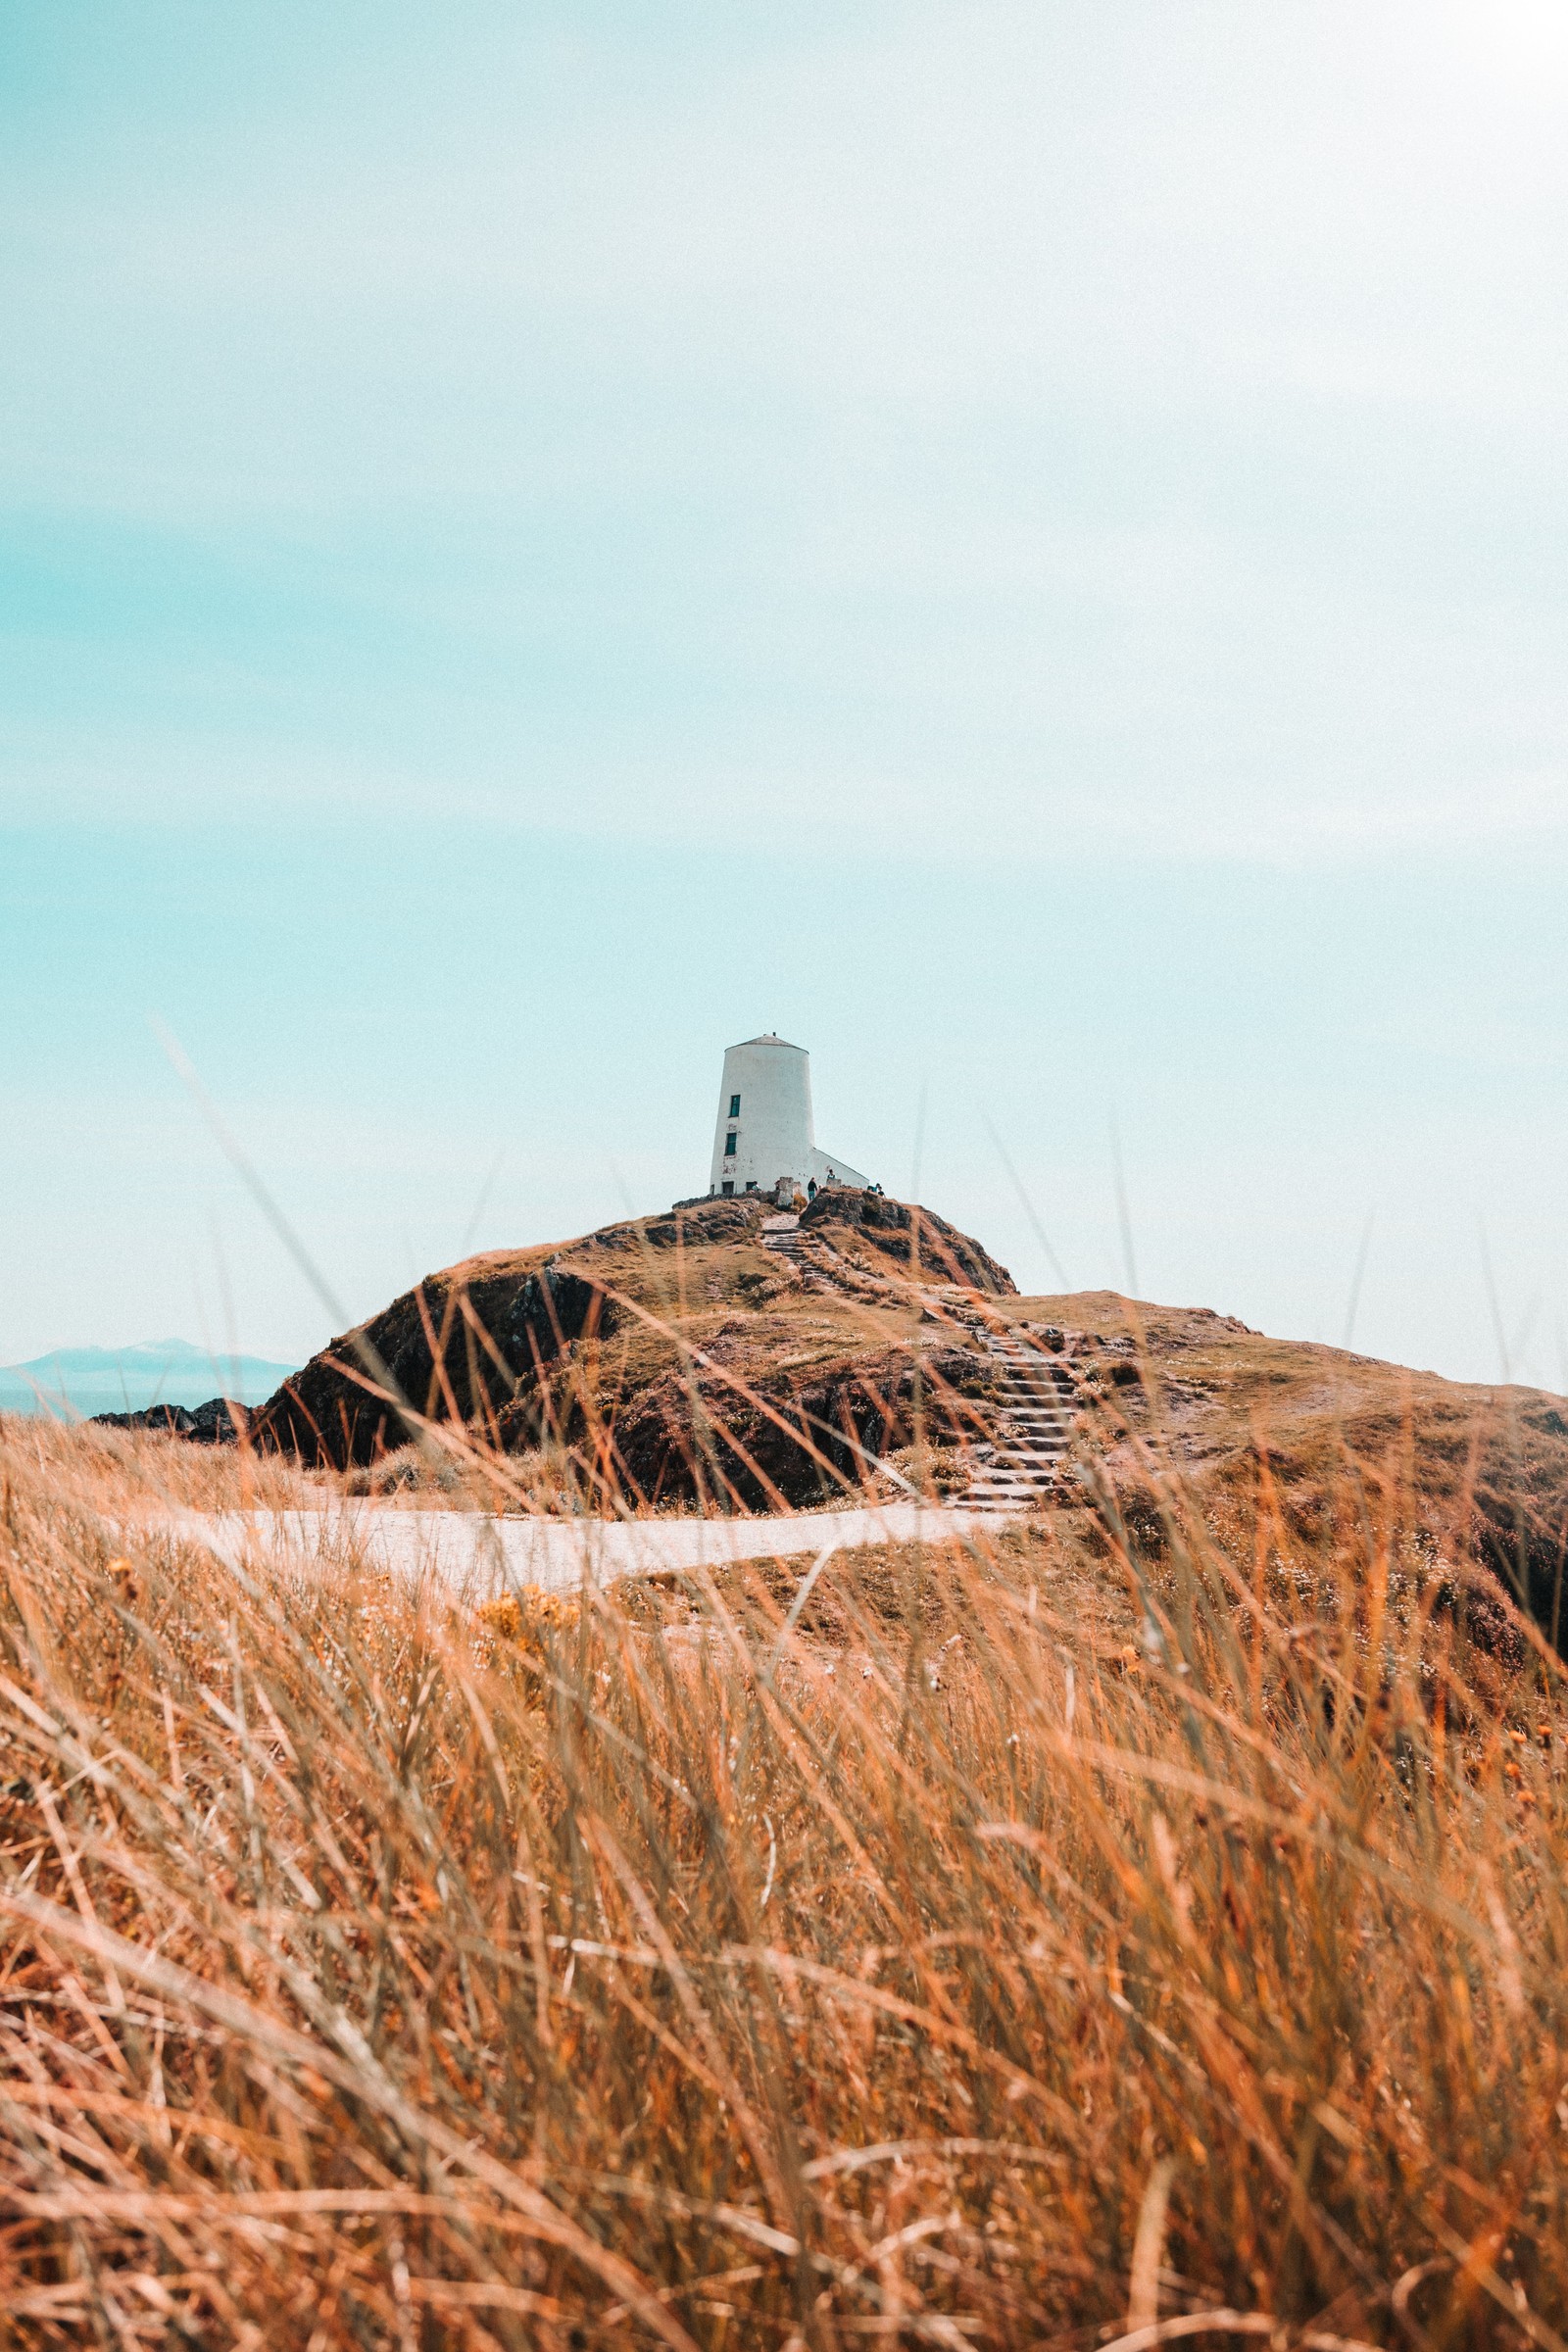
[687, 1359]
[1304, 1451]
[672, 1358]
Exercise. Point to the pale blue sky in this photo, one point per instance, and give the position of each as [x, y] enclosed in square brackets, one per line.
[1022, 547]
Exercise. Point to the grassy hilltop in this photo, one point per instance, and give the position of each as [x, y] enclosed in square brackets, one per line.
[1146, 1922]
[678, 1361]
[671, 1359]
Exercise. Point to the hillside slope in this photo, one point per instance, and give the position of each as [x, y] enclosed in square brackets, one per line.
[671, 1358]
[680, 1360]
[1187, 1409]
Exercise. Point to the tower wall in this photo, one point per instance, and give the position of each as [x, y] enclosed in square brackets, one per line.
[772, 1127]
[769, 1081]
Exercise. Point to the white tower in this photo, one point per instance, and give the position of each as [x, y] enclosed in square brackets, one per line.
[765, 1133]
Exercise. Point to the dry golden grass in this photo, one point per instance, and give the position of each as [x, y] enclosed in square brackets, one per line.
[1032, 1944]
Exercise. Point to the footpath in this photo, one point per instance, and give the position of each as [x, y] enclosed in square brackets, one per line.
[480, 1556]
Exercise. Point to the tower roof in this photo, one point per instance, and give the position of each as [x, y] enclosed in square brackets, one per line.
[771, 1038]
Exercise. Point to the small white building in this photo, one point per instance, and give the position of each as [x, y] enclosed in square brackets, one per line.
[765, 1133]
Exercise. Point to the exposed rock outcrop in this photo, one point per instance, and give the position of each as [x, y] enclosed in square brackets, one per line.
[672, 1356]
[911, 1236]
[208, 1424]
[741, 1432]
[457, 1348]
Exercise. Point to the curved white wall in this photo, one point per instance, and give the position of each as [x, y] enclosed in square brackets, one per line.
[772, 1130]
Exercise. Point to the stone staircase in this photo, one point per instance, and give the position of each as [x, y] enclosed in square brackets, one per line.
[1036, 1401]
[782, 1234]
[812, 1257]
[1037, 1408]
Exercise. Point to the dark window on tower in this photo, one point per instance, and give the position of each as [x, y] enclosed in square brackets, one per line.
[728, 1185]
[734, 1106]
[730, 1142]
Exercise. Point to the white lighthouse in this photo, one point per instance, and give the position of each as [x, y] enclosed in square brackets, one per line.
[765, 1133]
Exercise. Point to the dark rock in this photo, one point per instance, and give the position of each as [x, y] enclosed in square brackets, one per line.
[695, 1223]
[208, 1424]
[213, 1423]
[1519, 1532]
[457, 1348]
[691, 1222]
[789, 1443]
[910, 1234]
[170, 1420]
[494, 1343]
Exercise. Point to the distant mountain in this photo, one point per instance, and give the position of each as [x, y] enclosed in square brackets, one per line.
[74, 1383]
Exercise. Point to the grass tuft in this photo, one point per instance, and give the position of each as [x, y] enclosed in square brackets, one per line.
[1079, 1936]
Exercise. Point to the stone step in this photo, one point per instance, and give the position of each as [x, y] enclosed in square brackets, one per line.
[1037, 1407]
